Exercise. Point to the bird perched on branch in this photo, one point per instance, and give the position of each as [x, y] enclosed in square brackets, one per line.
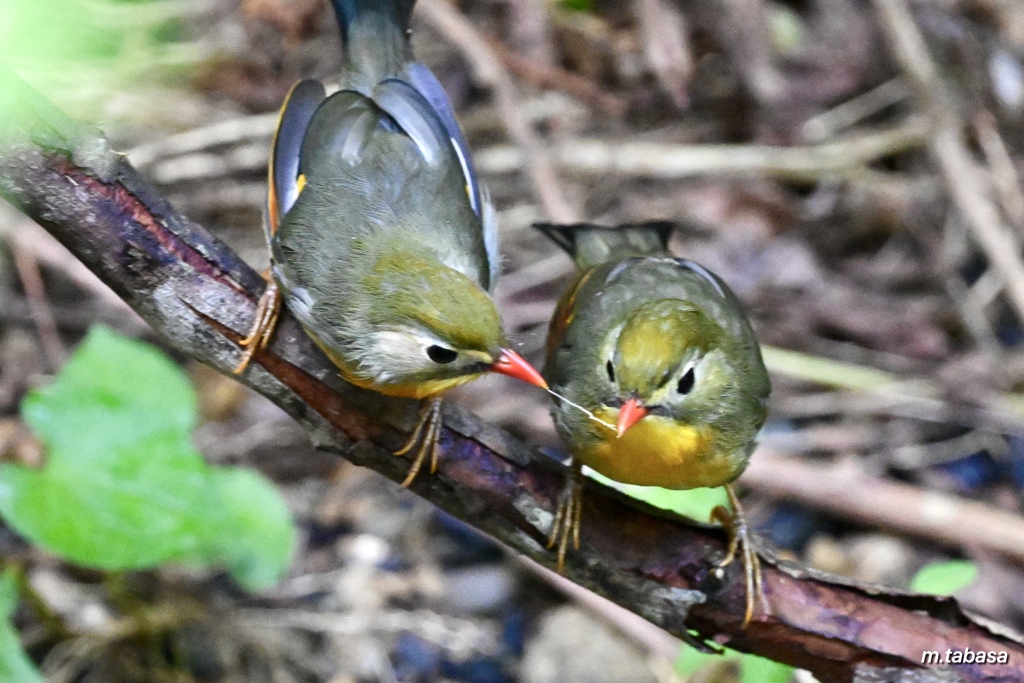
[660, 377]
[383, 244]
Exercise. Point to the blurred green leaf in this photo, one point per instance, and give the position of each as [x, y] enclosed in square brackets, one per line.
[579, 5]
[14, 663]
[754, 669]
[255, 536]
[690, 660]
[694, 503]
[123, 488]
[944, 578]
[95, 59]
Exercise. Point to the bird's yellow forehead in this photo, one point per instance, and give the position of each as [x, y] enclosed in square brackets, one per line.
[654, 340]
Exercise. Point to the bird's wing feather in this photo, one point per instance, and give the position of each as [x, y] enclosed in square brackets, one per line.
[704, 273]
[427, 85]
[283, 169]
[414, 115]
[564, 313]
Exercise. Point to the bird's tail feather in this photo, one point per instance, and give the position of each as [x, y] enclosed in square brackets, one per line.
[375, 37]
[591, 244]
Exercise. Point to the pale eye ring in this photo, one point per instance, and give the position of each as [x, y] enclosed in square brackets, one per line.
[441, 355]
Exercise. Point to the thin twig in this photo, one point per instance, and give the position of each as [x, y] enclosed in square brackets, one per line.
[1004, 172]
[547, 75]
[959, 171]
[838, 158]
[854, 110]
[39, 305]
[849, 493]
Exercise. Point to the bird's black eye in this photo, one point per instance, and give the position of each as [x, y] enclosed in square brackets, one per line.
[611, 370]
[440, 354]
[685, 385]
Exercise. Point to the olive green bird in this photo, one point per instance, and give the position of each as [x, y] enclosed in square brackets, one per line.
[383, 244]
[658, 353]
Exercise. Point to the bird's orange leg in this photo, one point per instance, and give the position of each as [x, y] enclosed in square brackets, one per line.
[425, 439]
[735, 523]
[267, 313]
[568, 516]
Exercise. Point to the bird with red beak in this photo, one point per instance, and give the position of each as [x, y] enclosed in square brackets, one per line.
[659, 355]
[383, 242]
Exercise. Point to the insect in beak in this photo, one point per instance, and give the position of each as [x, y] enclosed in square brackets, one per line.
[630, 413]
[512, 364]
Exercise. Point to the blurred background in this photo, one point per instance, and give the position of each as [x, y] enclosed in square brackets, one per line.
[862, 199]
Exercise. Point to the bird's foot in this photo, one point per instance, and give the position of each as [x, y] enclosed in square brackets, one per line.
[424, 440]
[267, 313]
[741, 538]
[566, 523]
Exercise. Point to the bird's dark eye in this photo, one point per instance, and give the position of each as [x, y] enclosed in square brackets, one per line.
[611, 370]
[440, 354]
[686, 382]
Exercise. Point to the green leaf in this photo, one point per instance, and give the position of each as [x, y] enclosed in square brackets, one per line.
[690, 660]
[14, 663]
[579, 5]
[254, 536]
[754, 669]
[114, 391]
[693, 503]
[123, 488]
[944, 578]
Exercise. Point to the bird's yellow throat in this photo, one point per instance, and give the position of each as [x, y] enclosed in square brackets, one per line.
[657, 451]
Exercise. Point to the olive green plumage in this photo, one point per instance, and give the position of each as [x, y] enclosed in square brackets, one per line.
[386, 254]
[664, 332]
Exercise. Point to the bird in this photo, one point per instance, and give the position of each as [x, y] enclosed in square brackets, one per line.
[383, 242]
[656, 377]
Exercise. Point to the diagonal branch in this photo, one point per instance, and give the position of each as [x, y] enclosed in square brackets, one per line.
[200, 297]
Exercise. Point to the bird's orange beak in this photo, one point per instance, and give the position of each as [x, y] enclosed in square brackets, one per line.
[512, 364]
[630, 413]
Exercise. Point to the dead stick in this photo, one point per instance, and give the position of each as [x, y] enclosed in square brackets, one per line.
[960, 172]
[852, 494]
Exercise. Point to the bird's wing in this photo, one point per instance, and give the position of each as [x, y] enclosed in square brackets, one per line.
[564, 313]
[283, 185]
[705, 274]
[426, 84]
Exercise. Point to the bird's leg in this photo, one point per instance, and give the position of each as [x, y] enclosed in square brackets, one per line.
[735, 523]
[267, 313]
[425, 438]
[566, 523]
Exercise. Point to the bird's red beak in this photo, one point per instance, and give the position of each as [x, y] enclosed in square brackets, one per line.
[630, 413]
[512, 364]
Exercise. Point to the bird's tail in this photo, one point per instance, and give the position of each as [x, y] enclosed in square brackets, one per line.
[591, 244]
[375, 35]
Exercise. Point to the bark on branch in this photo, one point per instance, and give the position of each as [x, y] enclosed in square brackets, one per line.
[200, 297]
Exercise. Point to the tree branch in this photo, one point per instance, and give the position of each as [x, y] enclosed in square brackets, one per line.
[200, 297]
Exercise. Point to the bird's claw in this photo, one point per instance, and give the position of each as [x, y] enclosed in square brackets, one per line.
[425, 439]
[740, 538]
[568, 515]
[267, 313]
